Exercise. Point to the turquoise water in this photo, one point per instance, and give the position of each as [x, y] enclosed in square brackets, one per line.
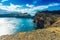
[15, 25]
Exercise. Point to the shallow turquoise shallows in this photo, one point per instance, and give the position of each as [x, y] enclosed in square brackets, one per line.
[15, 25]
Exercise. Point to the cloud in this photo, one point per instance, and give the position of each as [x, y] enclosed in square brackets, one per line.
[21, 9]
[45, 6]
[29, 5]
[54, 4]
[12, 7]
[4, 0]
[35, 8]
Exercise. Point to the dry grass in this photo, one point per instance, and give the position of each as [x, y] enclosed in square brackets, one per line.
[54, 29]
[56, 24]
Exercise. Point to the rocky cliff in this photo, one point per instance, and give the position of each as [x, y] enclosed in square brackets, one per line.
[46, 19]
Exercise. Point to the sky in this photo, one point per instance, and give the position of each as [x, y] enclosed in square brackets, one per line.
[29, 6]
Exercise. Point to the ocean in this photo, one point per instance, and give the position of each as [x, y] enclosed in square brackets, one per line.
[15, 25]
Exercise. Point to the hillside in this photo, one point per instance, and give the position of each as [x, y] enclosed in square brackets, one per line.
[57, 23]
[41, 34]
[45, 19]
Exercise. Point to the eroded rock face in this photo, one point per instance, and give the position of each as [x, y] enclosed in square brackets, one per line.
[45, 19]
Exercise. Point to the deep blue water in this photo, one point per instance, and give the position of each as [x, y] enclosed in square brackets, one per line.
[15, 25]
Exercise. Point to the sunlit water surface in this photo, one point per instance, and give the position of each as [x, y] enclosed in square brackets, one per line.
[15, 25]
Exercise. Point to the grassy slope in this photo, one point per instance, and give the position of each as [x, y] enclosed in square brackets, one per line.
[40, 34]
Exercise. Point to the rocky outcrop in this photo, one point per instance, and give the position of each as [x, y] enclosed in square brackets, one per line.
[45, 19]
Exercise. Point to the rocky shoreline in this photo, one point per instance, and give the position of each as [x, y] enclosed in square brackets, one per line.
[47, 28]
